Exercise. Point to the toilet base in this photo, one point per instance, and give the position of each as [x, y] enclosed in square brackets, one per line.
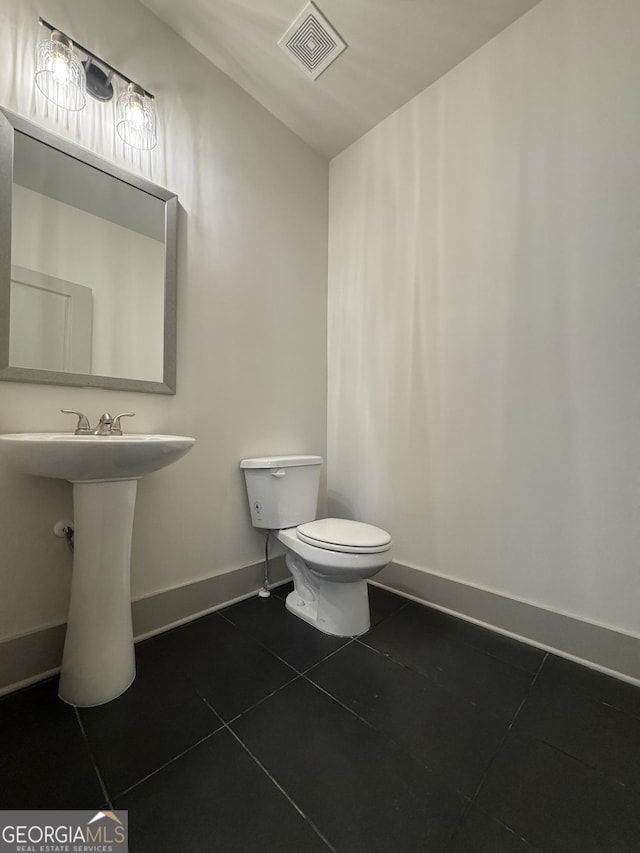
[338, 609]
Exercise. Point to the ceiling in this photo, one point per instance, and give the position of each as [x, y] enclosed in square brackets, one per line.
[396, 48]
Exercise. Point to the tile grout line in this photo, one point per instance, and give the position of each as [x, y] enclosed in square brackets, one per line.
[281, 659]
[93, 758]
[348, 642]
[259, 643]
[494, 657]
[275, 782]
[386, 616]
[170, 761]
[399, 746]
[612, 780]
[255, 704]
[529, 689]
[298, 674]
[530, 847]
[436, 775]
[508, 731]
[311, 666]
[469, 802]
[350, 710]
[161, 766]
[223, 724]
[362, 642]
[469, 644]
[303, 674]
[474, 797]
[435, 683]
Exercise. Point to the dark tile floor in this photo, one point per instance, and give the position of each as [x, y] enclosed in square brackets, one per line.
[250, 731]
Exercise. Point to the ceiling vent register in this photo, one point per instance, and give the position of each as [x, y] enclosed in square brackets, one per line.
[312, 42]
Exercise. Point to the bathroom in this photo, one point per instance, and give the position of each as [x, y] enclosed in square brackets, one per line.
[445, 311]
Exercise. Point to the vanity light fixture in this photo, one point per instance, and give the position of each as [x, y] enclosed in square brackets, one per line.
[63, 78]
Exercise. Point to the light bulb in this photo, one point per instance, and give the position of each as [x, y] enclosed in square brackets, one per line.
[135, 113]
[60, 69]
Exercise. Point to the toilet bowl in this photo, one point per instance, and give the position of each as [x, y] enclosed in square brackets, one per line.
[329, 558]
[329, 561]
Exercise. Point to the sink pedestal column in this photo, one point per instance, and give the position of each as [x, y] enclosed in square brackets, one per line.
[98, 662]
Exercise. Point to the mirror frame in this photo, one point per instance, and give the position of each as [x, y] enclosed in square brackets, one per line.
[9, 124]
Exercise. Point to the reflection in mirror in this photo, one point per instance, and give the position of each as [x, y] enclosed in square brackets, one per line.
[90, 282]
[74, 223]
[51, 323]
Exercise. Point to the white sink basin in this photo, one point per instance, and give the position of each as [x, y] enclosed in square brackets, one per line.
[91, 458]
[99, 661]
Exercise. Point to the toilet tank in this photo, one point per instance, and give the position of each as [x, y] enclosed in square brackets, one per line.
[282, 490]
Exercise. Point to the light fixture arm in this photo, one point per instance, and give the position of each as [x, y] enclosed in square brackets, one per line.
[92, 56]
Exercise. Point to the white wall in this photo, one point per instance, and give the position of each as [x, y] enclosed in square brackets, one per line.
[484, 322]
[251, 322]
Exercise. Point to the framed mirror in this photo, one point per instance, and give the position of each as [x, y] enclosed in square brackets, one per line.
[87, 267]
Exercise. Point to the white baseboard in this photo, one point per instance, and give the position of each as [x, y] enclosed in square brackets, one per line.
[599, 647]
[37, 655]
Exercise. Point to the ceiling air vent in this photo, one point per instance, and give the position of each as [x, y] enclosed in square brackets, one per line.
[312, 42]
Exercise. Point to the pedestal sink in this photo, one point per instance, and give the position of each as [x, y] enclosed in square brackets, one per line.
[98, 662]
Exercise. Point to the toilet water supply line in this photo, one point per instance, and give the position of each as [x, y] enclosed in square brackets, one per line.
[264, 592]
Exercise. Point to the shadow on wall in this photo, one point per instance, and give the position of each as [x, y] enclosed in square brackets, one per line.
[339, 506]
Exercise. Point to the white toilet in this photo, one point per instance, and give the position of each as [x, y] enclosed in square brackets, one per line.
[329, 559]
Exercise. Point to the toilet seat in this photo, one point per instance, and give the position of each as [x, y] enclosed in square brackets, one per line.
[342, 535]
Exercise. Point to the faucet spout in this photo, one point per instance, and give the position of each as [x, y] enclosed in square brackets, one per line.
[104, 425]
[108, 425]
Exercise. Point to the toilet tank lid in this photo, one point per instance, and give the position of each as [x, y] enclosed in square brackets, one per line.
[280, 461]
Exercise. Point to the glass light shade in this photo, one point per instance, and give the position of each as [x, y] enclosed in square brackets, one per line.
[60, 75]
[136, 118]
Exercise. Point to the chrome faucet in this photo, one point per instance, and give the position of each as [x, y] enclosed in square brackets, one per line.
[111, 426]
[107, 425]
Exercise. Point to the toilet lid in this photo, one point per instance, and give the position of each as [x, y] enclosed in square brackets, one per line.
[339, 534]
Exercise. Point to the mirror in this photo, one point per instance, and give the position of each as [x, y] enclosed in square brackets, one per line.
[87, 267]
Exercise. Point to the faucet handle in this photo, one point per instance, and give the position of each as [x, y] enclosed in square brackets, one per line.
[116, 426]
[83, 427]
